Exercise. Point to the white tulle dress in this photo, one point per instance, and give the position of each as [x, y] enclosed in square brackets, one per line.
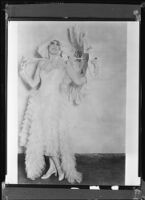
[45, 128]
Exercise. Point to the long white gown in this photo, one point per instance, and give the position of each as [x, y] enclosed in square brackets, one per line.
[45, 128]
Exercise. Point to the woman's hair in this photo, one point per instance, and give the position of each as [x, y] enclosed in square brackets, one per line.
[57, 41]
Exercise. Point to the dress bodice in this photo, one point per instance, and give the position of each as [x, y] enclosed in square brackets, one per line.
[52, 77]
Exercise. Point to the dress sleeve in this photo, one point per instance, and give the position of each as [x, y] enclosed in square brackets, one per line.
[32, 82]
[77, 78]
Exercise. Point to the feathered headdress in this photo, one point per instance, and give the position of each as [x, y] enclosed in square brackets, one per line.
[76, 39]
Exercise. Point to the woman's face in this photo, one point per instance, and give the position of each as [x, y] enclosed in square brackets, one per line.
[54, 47]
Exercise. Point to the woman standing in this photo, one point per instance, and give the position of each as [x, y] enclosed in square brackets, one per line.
[45, 128]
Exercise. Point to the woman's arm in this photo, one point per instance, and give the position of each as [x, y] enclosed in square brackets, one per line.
[77, 78]
[33, 83]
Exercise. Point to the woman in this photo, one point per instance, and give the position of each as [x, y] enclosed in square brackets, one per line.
[45, 128]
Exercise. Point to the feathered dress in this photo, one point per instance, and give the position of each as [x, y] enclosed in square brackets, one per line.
[45, 128]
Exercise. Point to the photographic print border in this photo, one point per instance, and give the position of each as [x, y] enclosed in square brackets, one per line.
[132, 88]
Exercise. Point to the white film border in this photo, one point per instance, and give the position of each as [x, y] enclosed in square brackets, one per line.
[12, 106]
[132, 105]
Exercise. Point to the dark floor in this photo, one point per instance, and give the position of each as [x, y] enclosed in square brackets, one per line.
[97, 169]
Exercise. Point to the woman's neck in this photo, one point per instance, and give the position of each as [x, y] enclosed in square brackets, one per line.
[53, 57]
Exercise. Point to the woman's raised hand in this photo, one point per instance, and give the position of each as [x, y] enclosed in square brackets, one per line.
[96, 65]
[94, 61]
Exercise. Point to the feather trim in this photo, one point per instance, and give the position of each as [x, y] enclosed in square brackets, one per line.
[26, 123]
[68, 160]
[34, 159]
